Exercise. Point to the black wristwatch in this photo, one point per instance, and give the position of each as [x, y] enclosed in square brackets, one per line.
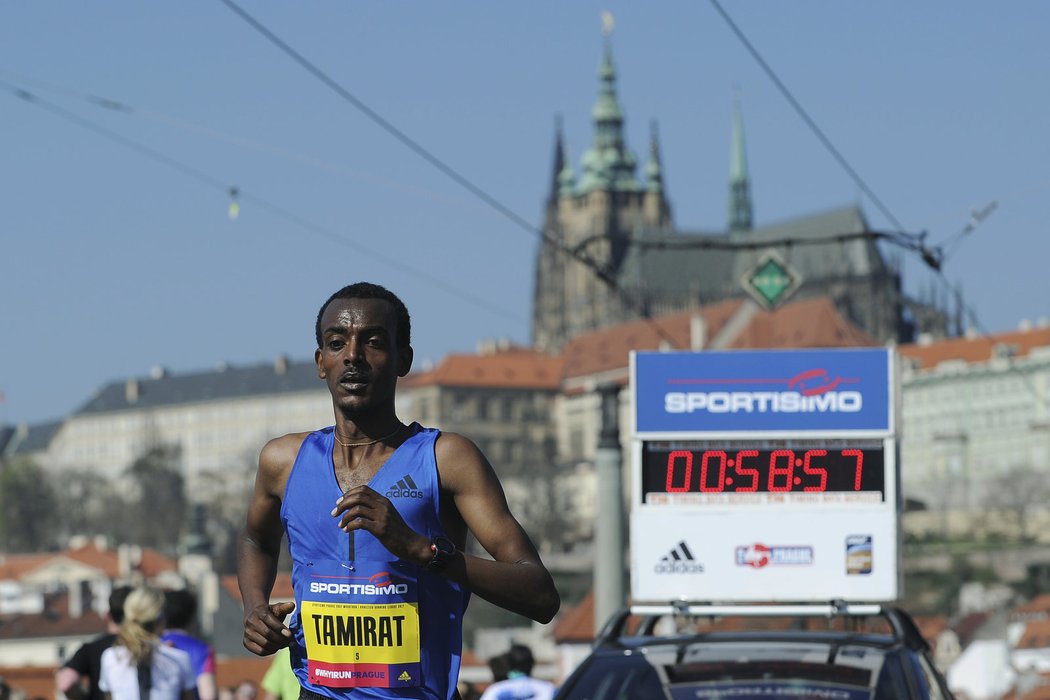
[443, 550]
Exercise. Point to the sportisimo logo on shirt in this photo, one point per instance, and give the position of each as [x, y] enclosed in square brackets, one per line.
[679, 560]
[378, 585]
[404, 488]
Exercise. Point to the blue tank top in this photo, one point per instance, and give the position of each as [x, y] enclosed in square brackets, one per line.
[409, 478]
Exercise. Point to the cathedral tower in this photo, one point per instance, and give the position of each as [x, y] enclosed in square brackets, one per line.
[588, 221]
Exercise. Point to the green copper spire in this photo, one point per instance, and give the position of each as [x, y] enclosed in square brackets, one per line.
[654, 177]
[608, 164]
[740, 213]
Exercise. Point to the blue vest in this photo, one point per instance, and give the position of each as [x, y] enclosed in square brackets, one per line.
[409, 479]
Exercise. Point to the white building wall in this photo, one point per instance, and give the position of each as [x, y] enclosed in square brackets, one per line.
[223, 436]
[964, 425]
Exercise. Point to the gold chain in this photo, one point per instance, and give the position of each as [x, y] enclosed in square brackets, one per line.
[335, 436]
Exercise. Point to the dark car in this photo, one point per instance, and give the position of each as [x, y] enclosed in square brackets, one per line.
[704, 657]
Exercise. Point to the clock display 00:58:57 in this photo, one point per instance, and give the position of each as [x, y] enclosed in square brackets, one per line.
[734, 469]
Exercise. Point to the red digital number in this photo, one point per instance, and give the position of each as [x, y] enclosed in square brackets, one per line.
[721, 456]
[815, 471]
[741, 470]
[859, 454]
[788, 472]
[671, 488]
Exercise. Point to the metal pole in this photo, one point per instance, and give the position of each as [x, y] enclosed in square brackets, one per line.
[609, 527]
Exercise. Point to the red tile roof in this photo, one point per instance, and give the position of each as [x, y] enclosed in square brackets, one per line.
[34, 681]
[231, 671]
[608, 348]
[515, 368]
[807, 323]
[576, 623]
[54, 621]
[282, 587]
[1036, 635]
[1036, 608]
[972, 350]
[17, 566]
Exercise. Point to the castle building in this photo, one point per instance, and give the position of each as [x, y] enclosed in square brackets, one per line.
[976, 423]
[612, 253]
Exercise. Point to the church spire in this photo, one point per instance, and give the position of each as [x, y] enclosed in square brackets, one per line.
[740, 210]
[654, 178]
[607, 164]
[559, 160]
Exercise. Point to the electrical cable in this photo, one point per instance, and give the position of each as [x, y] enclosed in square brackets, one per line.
[262, 203]
[123, 107]
[805, 116]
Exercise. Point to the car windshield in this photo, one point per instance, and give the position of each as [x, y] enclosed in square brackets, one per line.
[762, 690]
[634, 677]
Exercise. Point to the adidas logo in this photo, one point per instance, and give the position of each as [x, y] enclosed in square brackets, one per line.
[404, 488]
[679, 560]
[404, 677]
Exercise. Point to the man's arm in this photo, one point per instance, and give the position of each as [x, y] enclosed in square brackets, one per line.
[67, 682]
[259, 550]
[515, 579]
[68, 679]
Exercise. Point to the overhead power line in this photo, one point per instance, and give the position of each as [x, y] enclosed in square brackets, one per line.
[205, 178]
[805, 116]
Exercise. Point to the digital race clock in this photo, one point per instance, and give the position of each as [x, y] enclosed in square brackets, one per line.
[762, 467]
[765, 476]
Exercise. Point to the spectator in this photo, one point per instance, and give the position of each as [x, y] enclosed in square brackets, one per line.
[280, 682]
[245, 690]
[77, 679]
[519, 684]
[138, 666]
[180, 610]
[498, 667]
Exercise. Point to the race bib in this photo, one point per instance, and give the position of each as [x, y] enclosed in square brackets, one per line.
[360, 624]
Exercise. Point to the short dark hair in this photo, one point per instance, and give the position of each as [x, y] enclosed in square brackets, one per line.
[367, 290]
[519, 658]
[179, 608]
[116, 603]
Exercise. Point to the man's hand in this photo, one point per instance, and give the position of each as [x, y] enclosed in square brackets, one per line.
[264, 628]
[362, 508]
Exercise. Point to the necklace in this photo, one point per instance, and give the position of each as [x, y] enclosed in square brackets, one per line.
[335, 436]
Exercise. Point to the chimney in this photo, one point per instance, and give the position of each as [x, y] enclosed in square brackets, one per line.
[79, 598]
[131, 391]
[697, 332]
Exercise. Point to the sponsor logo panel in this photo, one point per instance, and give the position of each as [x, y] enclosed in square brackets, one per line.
[680, 560]
[859, 553]
[759, 556]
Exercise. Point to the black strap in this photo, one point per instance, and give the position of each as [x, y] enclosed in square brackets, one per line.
[145, 670]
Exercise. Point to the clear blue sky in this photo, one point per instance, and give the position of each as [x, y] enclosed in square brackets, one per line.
[114, 261]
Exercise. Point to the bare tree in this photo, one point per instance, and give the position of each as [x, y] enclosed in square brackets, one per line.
[1018, 494]
[156, 508]
[225, 495]
[27, 507]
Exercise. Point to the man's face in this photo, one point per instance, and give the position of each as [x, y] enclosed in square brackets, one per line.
[359, 358]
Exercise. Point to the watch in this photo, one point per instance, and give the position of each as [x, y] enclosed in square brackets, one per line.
[443, 550]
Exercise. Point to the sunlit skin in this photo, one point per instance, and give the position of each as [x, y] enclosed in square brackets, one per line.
[360, 361]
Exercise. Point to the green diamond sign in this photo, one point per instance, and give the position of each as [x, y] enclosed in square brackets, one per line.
[771, 281]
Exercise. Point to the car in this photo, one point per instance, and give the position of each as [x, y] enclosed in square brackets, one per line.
[702, 652]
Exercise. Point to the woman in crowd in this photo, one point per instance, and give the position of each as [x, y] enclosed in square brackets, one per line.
[138, 666]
